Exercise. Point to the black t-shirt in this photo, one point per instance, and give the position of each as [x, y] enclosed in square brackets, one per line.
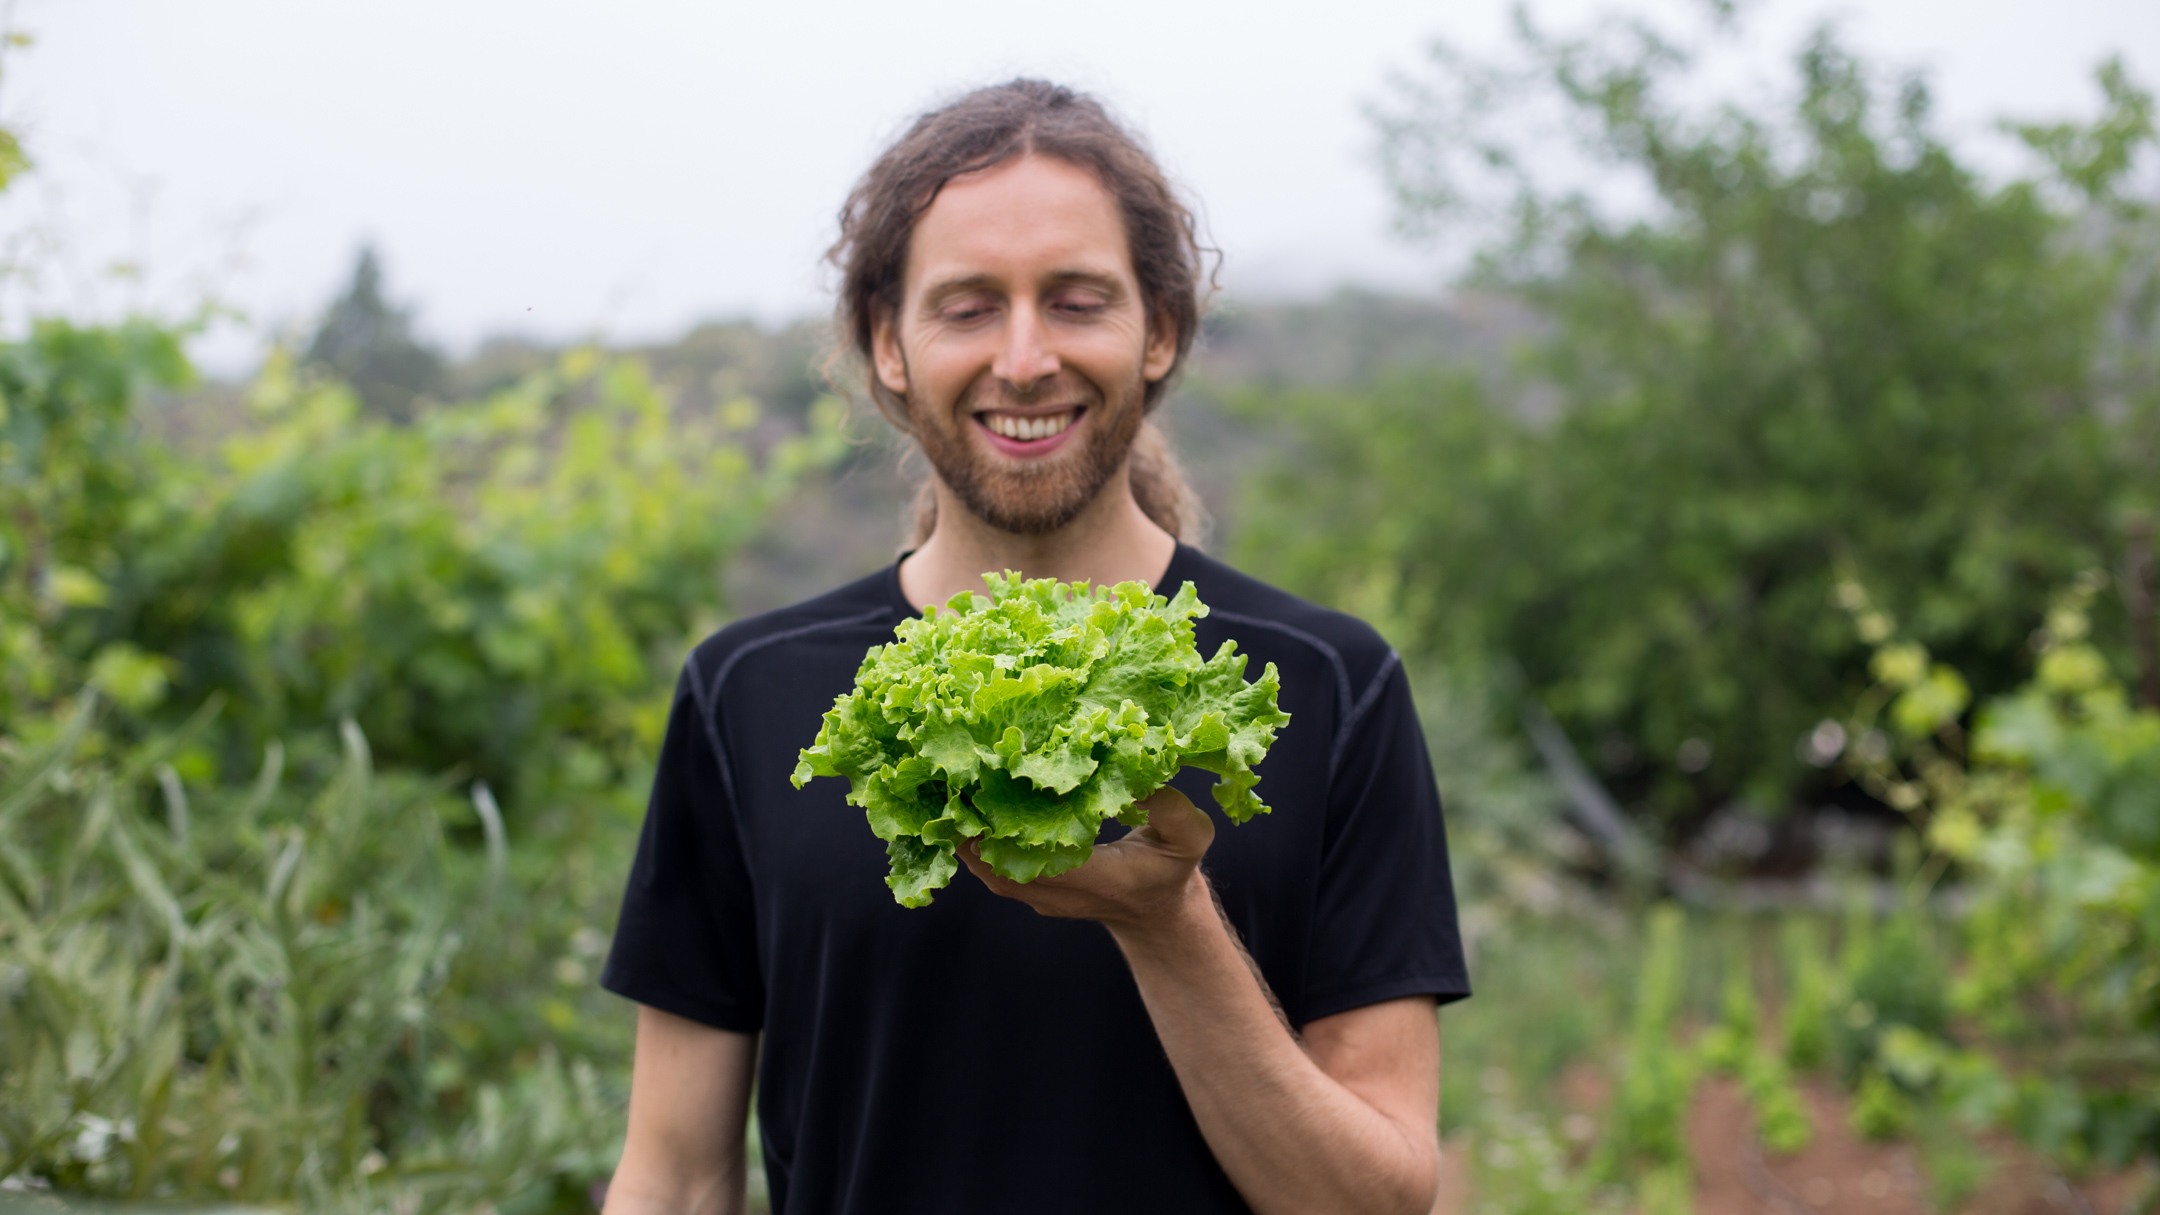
[972, 1056]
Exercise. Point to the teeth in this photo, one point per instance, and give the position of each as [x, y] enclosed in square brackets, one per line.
[1028, 429]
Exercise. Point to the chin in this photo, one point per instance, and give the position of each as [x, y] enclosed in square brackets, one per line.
[1026, 505]
[1033, 497]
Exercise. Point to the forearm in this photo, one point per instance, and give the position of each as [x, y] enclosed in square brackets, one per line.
[1291, 1137]
[689, 1106]
[637, 1191]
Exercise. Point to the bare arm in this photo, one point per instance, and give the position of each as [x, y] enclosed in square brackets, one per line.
[1347, 1120]
[689, 1104]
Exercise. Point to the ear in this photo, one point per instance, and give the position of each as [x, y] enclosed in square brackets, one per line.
[1161, 353]
[888, 359]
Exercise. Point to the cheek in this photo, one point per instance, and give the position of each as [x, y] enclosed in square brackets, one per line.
[1115, 356]
[936, 375]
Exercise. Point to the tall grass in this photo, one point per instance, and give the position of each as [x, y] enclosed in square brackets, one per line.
[232, 993]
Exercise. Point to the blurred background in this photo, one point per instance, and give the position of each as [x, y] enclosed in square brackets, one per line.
[1741, 416]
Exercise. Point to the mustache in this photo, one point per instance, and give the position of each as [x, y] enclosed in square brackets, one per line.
[992, 393]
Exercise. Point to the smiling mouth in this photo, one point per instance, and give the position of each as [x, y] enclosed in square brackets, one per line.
[1033, 428]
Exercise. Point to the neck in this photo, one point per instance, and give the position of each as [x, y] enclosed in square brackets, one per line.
[1111, 541]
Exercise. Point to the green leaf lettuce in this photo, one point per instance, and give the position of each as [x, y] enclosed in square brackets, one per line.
[1026, 718]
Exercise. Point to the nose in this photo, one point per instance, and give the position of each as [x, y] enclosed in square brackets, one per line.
[1025, 358]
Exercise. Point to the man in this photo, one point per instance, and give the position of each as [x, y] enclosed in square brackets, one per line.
[1022, 284]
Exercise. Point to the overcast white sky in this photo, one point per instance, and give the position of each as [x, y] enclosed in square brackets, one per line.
[632, 168]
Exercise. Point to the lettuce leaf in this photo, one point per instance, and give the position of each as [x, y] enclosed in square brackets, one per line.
[1027, 717]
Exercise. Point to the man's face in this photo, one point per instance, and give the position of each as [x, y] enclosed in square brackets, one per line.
[1021, 344]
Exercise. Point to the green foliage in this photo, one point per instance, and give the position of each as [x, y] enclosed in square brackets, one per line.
[1648, 1128]
[1521, 1167]
[503, 587]
[234, 994]
[1511, 848]
[1825, 343]
[72, 480]
[1781, 1117]
[1551, 987]
[14, 161]
[1809, 997]
[1545, 1021]
[1726, 1045]
[1894, 978]
[535, 1144]
[525, 568]
[1548, 996]
[1880, 1109]
[1740, 1044]
[1955, 1163]
[1667, 1190]
[2046, 808]
[367, 994]
[1027, 718]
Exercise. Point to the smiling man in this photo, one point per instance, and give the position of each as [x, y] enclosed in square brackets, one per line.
[1194, 1020]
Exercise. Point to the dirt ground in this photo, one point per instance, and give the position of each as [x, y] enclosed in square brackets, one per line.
[1840, 1173]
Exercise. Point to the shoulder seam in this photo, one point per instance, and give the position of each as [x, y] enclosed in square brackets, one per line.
[706, 719]
[1334, 656]
[1345, 712]
[709, 697]
[720, 676]
[1357, 712]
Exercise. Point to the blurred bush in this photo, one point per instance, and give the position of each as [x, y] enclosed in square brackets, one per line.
[2047, 809]
[240, 993]
[1821, 340]
[524, 568]
[322, 754]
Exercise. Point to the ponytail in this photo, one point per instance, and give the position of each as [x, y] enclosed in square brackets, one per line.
[1160, 487]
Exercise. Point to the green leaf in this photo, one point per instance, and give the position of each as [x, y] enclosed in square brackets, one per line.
[130, 676]
[74, 587]
[1929, 704]
[1027, 718]
[918, 870]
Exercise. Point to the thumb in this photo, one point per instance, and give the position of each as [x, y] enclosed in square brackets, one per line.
[1179, 826]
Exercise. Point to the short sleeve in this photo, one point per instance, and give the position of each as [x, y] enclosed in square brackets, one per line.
[1384, 921]
[687, 939]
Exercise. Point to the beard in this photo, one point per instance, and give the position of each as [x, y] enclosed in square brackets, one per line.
[1034, 497]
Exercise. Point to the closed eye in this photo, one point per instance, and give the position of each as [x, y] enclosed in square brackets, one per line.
[1078, 302]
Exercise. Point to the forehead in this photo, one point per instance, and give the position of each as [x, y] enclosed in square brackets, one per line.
[1030, 216]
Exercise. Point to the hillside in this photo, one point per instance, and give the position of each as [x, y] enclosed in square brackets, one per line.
[849, 520]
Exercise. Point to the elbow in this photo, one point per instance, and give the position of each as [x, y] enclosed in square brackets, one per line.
[1414, 1187]
[1421, 1196]
[1408, 1184]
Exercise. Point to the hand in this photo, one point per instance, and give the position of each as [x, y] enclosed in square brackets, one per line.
[1144, 879]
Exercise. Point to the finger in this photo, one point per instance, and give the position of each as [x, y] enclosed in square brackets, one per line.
[971, 856]
[1079, 874]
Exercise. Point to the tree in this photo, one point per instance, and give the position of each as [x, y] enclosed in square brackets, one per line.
[369, 344]
[1828, 347]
